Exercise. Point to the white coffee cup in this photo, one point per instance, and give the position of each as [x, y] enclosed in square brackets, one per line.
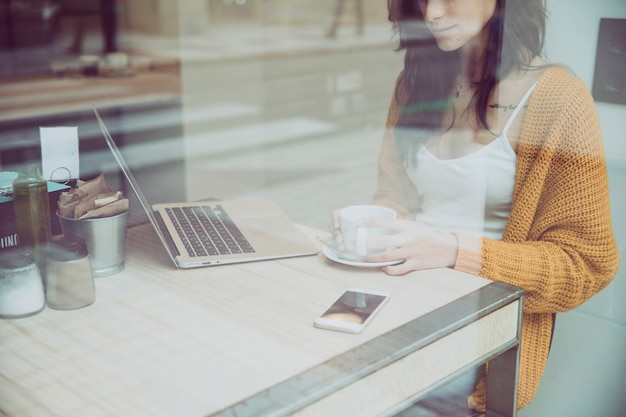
[354, 235]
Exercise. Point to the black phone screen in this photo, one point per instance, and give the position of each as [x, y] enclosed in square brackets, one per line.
[354, 307]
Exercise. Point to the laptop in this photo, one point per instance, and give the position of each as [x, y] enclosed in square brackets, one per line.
[217, 232]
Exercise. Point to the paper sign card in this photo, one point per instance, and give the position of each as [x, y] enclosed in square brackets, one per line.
[59, 153]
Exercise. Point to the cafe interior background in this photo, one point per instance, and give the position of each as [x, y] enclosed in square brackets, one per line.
[243, 98]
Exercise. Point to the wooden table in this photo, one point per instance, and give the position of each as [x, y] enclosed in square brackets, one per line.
[238, 340]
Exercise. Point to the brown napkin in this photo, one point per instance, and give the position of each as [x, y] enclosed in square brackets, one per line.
[92, 199]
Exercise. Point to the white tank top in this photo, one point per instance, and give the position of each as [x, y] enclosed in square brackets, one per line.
[471, 194]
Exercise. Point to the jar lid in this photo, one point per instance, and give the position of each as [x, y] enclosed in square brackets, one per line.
[17, 257]
[65, 250]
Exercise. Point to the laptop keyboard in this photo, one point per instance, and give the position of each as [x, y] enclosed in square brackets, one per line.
[206, 231]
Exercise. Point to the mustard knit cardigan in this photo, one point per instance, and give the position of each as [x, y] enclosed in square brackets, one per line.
[558, 244]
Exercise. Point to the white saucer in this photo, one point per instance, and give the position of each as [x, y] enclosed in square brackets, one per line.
[332, 255]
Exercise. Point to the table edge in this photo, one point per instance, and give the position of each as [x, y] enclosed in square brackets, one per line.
[300, 391]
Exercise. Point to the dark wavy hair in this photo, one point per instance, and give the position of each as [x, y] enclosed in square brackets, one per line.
[515, 34]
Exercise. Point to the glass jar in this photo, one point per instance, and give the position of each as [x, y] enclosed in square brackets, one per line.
[69, 281]
[32, 207]
[21, 286]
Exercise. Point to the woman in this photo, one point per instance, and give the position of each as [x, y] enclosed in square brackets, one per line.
[494, 161]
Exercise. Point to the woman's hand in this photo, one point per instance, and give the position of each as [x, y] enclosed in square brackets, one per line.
[420, 246]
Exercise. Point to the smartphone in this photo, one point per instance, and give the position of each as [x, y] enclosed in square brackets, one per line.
[352, 311]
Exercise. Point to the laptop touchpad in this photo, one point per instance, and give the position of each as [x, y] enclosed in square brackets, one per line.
[263, 225]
